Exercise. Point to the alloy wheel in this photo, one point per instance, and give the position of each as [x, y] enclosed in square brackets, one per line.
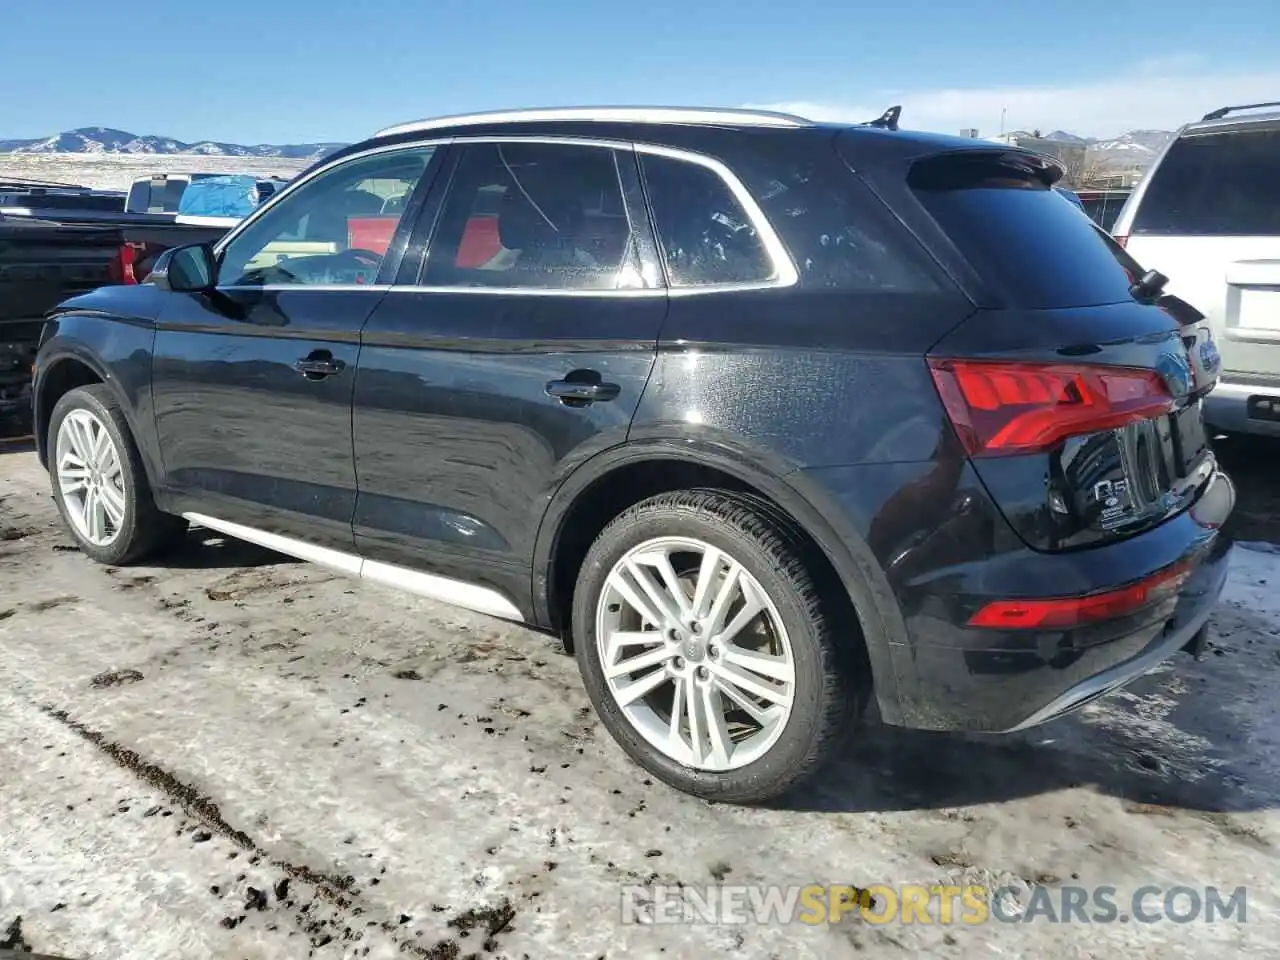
[90, 477]
[695, 654]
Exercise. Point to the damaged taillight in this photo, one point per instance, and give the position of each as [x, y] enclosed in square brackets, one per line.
[1004, 408]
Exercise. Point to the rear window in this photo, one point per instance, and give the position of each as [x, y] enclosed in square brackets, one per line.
[1103, 209]
[1221, 184]
[157, 196]
[1033, 246]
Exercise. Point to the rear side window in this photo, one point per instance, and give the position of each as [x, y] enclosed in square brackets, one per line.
[841, 235]
[1038, 250]
[706, 236]
[1221, 184]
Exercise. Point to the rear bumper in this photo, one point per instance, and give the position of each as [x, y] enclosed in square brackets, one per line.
[1000, 681]
[1227, 408]
[1186, 630]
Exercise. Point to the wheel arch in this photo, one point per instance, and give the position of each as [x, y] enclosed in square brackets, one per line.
[613, 480]
[61, 371]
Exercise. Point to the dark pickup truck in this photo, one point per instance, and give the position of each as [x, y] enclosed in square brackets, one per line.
[43, 262]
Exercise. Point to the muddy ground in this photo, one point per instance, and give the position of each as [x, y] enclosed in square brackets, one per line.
[238, 755]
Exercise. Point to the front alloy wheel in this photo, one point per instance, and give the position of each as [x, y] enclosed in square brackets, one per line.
[99, 482]
[90, 478]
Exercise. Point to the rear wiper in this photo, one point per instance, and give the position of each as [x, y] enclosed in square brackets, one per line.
[1148, 286]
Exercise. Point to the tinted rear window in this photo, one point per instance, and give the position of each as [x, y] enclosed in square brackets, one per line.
[1222, 184]
[1104, 209]
[1033, 246]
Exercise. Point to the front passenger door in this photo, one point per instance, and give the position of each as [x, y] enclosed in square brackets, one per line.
[252, 384]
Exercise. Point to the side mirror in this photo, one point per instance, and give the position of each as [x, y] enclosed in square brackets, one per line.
[190, 269]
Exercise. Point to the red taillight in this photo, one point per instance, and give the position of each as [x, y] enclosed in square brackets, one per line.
[1003, 409]
[1122, 239]
[122, 267]
[1063, 613]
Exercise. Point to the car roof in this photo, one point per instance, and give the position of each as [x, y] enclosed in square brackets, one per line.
[710, 130]
[578, 118]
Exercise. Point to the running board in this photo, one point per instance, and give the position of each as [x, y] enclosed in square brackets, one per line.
[446, 590]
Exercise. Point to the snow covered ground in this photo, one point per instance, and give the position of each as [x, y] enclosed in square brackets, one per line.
[238, 755]
[106, 171]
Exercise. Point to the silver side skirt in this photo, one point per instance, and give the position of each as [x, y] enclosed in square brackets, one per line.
[456, 592]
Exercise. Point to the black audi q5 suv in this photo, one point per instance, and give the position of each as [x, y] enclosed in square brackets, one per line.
[768, 418]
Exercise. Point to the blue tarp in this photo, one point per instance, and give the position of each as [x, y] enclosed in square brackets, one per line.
[229, 196]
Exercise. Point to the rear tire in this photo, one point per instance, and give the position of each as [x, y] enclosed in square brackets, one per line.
[651, 643]
[99, 483]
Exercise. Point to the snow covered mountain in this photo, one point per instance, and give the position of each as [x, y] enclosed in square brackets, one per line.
[108, 140]
[1128, 153]
[1136, 141]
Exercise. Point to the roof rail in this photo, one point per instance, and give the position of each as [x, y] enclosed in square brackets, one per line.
[709, 115]
[1223, 111]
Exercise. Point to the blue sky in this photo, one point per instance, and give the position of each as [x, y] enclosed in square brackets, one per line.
[300, 70]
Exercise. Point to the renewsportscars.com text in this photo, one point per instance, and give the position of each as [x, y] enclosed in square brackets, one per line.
[935, 904]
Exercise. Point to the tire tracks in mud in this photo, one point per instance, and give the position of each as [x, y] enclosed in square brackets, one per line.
[347, 919]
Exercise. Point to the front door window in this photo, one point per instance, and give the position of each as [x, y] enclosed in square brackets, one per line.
[332, 230]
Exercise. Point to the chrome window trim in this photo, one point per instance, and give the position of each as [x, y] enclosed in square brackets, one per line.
[535, 291]
[785, 273]
[654, 114]
[311, 287]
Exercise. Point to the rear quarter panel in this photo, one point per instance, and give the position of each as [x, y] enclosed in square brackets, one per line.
[827, 405]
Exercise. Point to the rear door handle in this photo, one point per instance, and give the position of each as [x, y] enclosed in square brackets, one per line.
[580, 392]
[319, 365]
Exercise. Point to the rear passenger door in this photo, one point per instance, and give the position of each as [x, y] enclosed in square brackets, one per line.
[517, 347]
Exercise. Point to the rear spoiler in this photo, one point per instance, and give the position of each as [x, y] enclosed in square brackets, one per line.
[950, 169]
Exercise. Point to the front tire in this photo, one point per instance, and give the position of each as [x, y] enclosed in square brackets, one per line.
[99, 483]
[707, 651]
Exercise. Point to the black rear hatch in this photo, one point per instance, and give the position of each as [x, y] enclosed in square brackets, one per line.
[1070, 387]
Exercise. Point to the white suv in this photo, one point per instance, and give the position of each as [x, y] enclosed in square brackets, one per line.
[1207, 215]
